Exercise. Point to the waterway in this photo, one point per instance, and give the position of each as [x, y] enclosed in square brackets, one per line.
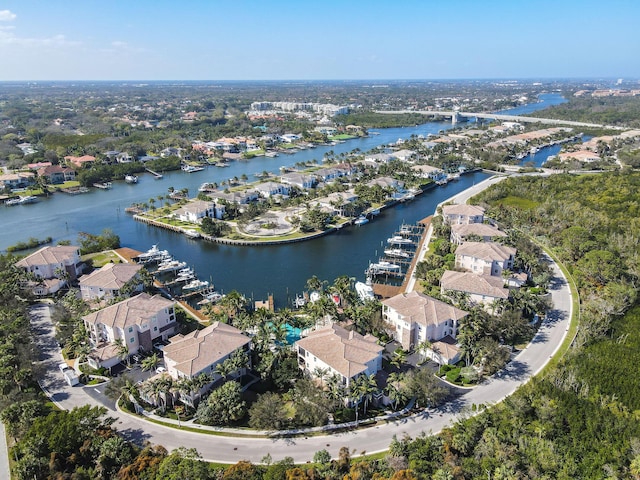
[254, 271]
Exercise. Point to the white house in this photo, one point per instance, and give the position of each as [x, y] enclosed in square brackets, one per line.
[462, 214]
[415, 317]
[341, 352]
[300, 180]
[487, 258]
[137, 321]
[270, 189]
[106, 282]
[53, 266]
[196, 210]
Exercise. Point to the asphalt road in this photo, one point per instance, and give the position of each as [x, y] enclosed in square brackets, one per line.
[366, 440]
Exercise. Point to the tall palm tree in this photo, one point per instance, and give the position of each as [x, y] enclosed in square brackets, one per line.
[122, 351]
[150, 363]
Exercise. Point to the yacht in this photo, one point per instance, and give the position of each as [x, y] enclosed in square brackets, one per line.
[383, 268]
[191, 168]
[22, 200]
[195, 286]
[399, 240]
[191, 233]
[131, 178]
[397, 252]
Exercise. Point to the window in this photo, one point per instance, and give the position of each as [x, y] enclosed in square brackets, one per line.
[130, 329]
[155, 329]
[132, 340]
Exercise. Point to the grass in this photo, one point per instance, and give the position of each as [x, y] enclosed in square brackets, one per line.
[518, 202]
[102, 258]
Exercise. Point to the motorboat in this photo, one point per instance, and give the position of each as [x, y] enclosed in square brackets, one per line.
[191, 168]
[195, 286]
[131, 178]
[383, 268]
[365, 291]
[397, 252]
[154, 254]
[191, 233]
[170, 266]
[399, 240]
[361, 220]
[22, 200]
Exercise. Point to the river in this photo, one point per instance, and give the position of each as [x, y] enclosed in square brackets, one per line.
[254, 271]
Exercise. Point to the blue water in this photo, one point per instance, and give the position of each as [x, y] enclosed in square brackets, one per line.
[254, 271]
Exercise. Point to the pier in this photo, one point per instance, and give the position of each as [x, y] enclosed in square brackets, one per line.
[156, 175]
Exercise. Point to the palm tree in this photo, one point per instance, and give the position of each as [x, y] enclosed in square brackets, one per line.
[314, 284]
[122, 351]
[368, 387]
[422, 348]
[150, 363]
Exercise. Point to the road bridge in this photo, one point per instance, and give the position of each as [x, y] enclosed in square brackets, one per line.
[457, 116]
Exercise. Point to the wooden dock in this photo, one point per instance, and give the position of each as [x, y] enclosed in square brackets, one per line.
[384, 291]
[425, 223]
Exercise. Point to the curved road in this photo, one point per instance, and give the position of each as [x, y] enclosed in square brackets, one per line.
[232, 449]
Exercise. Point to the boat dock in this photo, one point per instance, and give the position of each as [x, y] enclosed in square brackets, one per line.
[156, 175]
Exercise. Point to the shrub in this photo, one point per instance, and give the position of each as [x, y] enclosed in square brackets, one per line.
[453, 375]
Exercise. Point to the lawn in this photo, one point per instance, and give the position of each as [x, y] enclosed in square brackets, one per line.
[102, 258]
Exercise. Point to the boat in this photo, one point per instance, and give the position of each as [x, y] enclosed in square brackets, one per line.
[103, 186]
[191, 233]
[383, 268]
[300, 301]
[170, 266]
[374, 212]
[365, 290]
[13, 201]
[361, 220]
[397, 252]
[21, 200]
[131, 178]
[399, 240]
[195, 286]
[211, 297]
[154, 254]
[191, 168]
[404, 230]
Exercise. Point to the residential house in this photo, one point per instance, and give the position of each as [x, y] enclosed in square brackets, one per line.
[461, 231]
[201, 351]
[241, 198]
[270, 189]
[56, 174]
[299, 180]
[327, 174]
[488, 258]
[338, 351]
[195, 210]
[415, 317]
[53, 266]
[107, 282]
[17, 180]
[586, 156]
[80, 162]
[376, 159]
[171, 152]
[481, 289]
[137, 321]
[462, 214]
[405, 155]
[427, 171]
[336, 202]
[444, 351]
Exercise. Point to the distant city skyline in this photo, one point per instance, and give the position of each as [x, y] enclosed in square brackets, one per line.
[330, 40]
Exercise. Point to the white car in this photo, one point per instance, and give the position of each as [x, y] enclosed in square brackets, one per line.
[161, 370]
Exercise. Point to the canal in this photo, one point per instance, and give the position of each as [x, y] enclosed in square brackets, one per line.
[254, 271]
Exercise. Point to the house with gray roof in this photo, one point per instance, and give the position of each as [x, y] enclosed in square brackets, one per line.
[481, 289]
[106, 283]
[461, 231]
[53, 267]
[461, 214]
[487, 258]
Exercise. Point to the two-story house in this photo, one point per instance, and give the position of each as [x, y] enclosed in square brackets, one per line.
[481, 289]
[340, 352]
[195, 210]
[414, 317]
[461, 231]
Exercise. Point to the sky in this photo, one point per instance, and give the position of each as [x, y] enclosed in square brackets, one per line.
[318, 40]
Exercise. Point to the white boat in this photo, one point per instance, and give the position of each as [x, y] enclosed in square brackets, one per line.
[131, 178]
[103, 186]
[191, 168]
[404, 230]
[211, 297]
[192, 233]
[300, 301]
[171, 266]
[361, 220]
[154, 254]
[22, 200]
[397, 252]
[375, 212]
[195, 286]
[13, 201]
[382, 268]
[399, 240]
[206, 187]
[365, 291]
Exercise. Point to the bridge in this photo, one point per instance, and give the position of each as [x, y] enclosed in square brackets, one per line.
[457, 116]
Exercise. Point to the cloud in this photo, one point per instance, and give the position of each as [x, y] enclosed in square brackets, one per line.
[7, 37]
[7, 16]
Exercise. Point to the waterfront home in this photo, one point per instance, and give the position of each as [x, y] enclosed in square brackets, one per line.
[241, 198]
[270, 189]
[299, 180]
[462, 214]
[338, 351]
[289, 138]
[326, 130]
[17, 180]
[171, 152]
[488, 258]
[107, 282]
[415, 317]
[461, 231]
[480, 289]
[79, 162]
[336, 202]
[387, 182]
[427, 171]
[201, 351]
[56, 174]
[53, 267]
[195, 210]
[137, 322]
[327, 174]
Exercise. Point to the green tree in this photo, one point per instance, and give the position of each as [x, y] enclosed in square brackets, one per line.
[223, 406]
